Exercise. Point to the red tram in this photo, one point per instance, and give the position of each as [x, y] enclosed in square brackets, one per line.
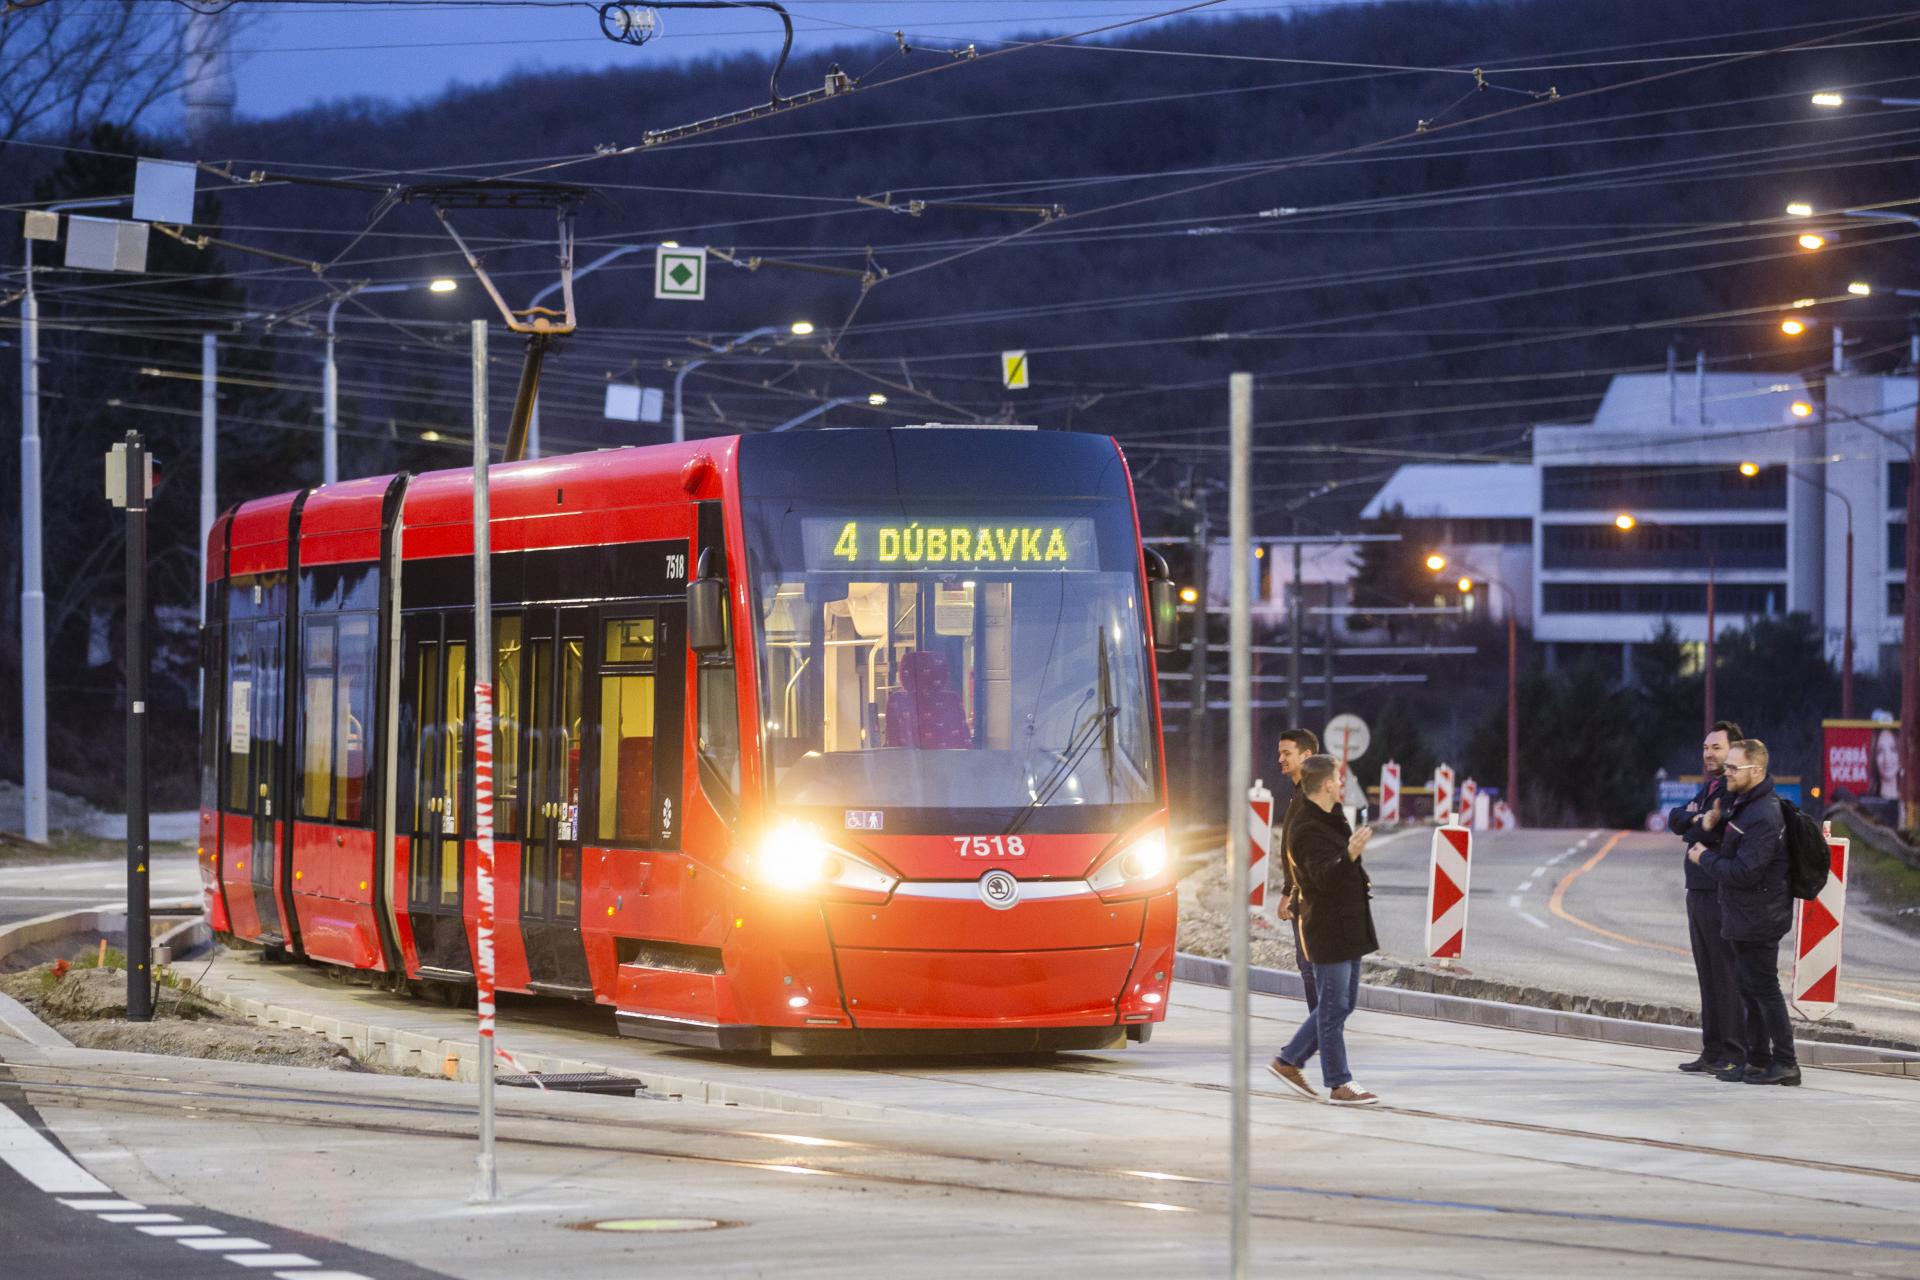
[821, 742]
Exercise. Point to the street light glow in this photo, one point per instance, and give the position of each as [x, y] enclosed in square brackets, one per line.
[1828, 100]
[1811, 241]
[1749, 469]
[1465, 585]
[1801, 304]
[1792, 328]
[801, 328]
[1860, 289]
[1624, 522]
[1188, 595]
[1436, 562]
[443, 285]
[1800, 209]
[1801, 409]
[876, 399]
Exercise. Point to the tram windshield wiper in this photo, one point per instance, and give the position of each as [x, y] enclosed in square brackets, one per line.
[1097, 728]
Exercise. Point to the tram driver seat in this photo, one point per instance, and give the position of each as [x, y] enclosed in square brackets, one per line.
[923, 711]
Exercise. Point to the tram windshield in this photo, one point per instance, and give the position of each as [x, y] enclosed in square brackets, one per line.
[989, 660]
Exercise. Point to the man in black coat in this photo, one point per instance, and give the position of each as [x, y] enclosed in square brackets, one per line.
[1756, 910]
[1336, 930]
[1722, 1020]
[1295, 746]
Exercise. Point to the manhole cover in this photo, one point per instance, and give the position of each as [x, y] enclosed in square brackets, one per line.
[652, 1224]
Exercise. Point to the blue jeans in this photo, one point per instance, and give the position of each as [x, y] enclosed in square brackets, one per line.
[1325, 1030]
[1306, 970]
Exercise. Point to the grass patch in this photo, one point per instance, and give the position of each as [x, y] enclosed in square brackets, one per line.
[1889, 881]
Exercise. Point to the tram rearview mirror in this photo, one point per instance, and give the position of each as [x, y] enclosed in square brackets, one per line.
[707, 609]
[1163, 603]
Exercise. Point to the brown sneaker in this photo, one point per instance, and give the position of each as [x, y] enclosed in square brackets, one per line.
[1349, 1095]
[1294, 1080]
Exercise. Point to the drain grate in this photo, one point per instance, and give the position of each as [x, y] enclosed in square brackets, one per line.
[575, 1082]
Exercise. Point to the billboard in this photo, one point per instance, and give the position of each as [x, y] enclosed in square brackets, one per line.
[1861, 759]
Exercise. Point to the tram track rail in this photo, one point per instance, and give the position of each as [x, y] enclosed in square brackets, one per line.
[639, 1138]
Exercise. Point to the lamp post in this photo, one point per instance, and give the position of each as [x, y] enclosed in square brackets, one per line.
[873, 398]
[799, 329]
[1437, 562]
[330, 381]
[33, 597]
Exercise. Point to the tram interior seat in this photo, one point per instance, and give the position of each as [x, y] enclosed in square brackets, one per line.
[634, 818]
[924, 711]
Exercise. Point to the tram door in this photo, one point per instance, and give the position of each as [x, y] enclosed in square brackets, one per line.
[554, 717]
[436, 686]
[265, 804]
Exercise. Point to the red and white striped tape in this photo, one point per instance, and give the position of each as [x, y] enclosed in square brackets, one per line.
[1447, 892]
[1443, 794]
[1260, 843]
[1816, 938]
[1389, 794]
[483, 961]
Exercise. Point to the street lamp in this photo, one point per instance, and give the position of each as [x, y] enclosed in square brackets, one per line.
[799, 329]
[1437, 561]
[1828, 98]
[873, 398]
[330, 376]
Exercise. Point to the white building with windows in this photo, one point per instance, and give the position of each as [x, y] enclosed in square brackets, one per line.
[1741, 479]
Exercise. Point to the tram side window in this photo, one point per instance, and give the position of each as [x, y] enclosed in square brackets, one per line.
[720, 728]
[507, 648]
[337, 699]
[626, 732]
[239, 718]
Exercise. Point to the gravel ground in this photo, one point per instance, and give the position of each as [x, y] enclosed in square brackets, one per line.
[88, 1007]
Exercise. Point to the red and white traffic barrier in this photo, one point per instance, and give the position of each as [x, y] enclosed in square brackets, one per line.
[1389, 794]
[1469, 793]
[1503, 816]
[1447, 892]
[1816, 938]
[1443, 794]
[1260, 842]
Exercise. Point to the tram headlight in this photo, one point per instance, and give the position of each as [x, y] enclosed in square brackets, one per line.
[1137, 865]
[796, 859]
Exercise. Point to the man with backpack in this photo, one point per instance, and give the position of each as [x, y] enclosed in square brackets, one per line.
[1722, 1021]
[1752, 868]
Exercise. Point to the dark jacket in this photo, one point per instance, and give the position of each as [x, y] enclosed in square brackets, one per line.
[1284, 833]
[1335, 922]
[1685, 823]
[1750, 866]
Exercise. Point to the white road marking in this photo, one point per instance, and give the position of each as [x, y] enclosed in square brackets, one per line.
[1525, 885]
[1540, 870]
[1513, 899]
[135, 1218]
[1561, 857]
[97, 1205]
[273, 1260]
[1589, 942]
[1534, 920]
[225, 1244]
[37, 1160]
[181, 1229]
[318, 1275]
[1907, 1004]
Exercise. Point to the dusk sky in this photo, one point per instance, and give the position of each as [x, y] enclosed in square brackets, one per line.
[294, 56]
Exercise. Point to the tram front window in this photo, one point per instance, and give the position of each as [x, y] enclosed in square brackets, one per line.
[952, 664]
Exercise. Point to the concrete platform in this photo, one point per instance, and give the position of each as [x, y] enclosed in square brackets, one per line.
[1500, 1153]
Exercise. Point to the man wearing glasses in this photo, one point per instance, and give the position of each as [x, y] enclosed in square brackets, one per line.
[1756, 910]
[1722, 1023]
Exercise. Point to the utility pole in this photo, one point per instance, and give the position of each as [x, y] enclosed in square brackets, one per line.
[1239, 781]
[1709, 664]
[1197, 665]
[1910, 647]
[1296, 601]
[130, 486]
[487, 1188]
[1326, 707]
[209, 411]
[33, 597]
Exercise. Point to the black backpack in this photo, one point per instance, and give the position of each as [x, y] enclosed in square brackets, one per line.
[1808, 860]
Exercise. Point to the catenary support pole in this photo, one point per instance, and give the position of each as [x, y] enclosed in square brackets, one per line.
[1239, 778]
[1513, 708]
[1709, 665]
[1198, 744]
[33, 597]
[1296, 601]
[1326, 661]
[1910, 646]
[209, 456]
[139, 926]
[487, 1187]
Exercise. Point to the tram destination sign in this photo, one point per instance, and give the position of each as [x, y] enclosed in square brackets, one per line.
[958, 542]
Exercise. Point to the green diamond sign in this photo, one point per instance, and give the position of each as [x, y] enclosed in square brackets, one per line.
[680, 273]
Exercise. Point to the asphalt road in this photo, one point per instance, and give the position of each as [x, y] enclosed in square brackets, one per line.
[35, 889]
[1604, 913]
